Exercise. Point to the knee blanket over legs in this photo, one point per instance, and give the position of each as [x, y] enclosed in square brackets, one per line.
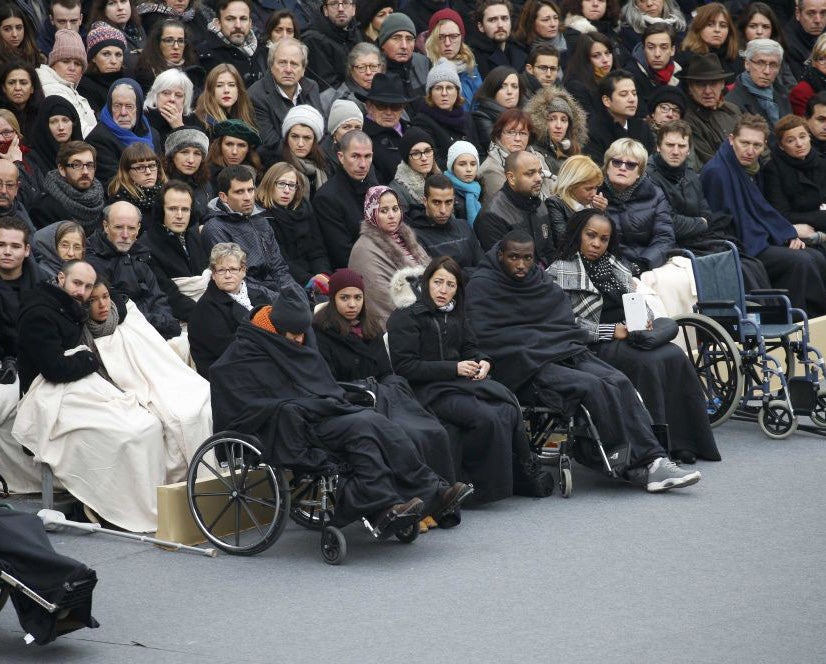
[140, 361]
[20, 471]
[103, 446]
[674, 284]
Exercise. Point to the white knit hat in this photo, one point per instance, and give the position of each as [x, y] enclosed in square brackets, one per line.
[306, 115]
[459, 148]
[443, 70]
[341, 111]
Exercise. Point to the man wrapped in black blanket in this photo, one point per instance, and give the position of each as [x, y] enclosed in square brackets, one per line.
[271, 384]
[525, 322]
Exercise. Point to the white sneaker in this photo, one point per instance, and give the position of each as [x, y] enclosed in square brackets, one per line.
[664, 474]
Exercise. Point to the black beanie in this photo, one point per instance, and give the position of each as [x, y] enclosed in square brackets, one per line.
[411, 137]
[290, 310]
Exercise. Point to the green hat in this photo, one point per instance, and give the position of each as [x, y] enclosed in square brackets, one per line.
[237, 129]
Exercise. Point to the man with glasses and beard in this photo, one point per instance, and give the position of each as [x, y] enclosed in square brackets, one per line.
[331, 35]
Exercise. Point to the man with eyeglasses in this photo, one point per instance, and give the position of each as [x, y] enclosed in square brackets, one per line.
[491, 41]
[397, 40]
[802, 31]
[283, 87]
[652, 63]
[10, 203]
[543, 65]
[233, 41]
[234, 216]
[71, 191]
[757, 90]
[617, 119]
[331, 35]
[114, 252]
[63, 15]
[518, 206]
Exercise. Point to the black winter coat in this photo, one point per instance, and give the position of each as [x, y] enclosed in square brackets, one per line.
[446, 129]
[95, 88]
[300, 241]
[454, 238]
[797, 187]
[213, 322]
[214, 51]
[747, 102]
[130, 274]
[12, 295]
[426, 344]
[558, 214]
[350, 357]
[386, 142]
[643, 223]
[159, 124]
[109, 149]
[329, 47]
[339, 210]
[485, 115]
[50, 323]
[603, 130]
[168, 259]
[489, 55]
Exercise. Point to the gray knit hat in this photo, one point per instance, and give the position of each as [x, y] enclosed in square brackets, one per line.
[306, 115]
[396, 22]
[341, 111]
[186, 137]
[443, 71]
[459, 148]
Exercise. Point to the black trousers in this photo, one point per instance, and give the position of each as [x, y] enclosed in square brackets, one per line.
[802, 272]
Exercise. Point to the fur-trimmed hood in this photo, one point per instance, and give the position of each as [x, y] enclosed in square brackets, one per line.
[537, 109]
[404, 286]
[579, 23]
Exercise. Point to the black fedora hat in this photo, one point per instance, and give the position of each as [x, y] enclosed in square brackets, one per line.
[387, 90]
[705, 68]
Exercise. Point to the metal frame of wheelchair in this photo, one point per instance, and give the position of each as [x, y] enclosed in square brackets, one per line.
[730, 348]
[257, 497]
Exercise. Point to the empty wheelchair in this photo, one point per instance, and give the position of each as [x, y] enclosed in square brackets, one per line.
[736, 353]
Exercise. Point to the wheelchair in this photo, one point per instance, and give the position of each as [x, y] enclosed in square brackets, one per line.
[733, 339]
[240, 501]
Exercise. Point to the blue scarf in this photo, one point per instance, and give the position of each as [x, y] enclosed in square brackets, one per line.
[127, 136]
[471, 191]
[765, 98]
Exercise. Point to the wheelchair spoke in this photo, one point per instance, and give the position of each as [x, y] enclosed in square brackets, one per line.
[228, 450]
[252, 517]
[250, 487]
[217, 474]
[220, 514]
[272, 504]
[211, 493]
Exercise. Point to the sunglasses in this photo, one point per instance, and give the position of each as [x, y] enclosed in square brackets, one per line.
[621, 163]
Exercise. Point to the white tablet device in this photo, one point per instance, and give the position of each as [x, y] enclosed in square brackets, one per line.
[636, 312]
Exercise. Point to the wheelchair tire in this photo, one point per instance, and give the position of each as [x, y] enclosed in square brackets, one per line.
[566, 483]
[305, 505]
[818, 414]
[408, 535]
[247, 511]
[777, 420]
[333, 546]
[716, 360]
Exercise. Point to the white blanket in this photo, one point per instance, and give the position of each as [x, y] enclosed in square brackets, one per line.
[140, 361]
[193, 287]
[674, 283]
[103, 446]
[20, 471]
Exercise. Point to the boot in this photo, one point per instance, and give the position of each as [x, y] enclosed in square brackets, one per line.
[530, 479]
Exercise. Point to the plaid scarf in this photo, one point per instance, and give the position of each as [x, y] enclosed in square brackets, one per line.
[250, 41]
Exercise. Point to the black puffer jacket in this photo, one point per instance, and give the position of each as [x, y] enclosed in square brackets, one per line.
[797, 187]
[485, 115]
[426, 344]
[453, 238]
[643, 223]
[689, 206]
[129, 274]
[168, 259]
[300, 241]
[50, 323]
[351, 357]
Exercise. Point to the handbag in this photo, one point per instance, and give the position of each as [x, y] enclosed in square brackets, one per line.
[662, 331]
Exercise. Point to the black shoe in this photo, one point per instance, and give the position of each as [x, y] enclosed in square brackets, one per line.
[684, 456]
[530, 479]
[399, 517]
[448, 515]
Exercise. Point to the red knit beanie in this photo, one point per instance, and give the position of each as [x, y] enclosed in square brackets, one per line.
[447, 15]
[345, 278]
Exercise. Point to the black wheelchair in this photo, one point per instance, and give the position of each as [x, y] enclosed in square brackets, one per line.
[735, 345]
[240, 501]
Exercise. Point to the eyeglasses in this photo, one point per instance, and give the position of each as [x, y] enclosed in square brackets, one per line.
[766, 64]
[450, 38]
[283, 185]
[8, 186]
[173, 41]
[8, 133]
[361, 69]
[668, 108]
[621, 163]
[338, 3]
[419, 154]
[516, 133]
[129, 108]
[81, 166]
[820, 59]
[546, 68]
[146, 168]
[221, 271]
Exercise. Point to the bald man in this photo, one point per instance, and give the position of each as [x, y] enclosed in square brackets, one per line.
[114, 252]
[10, 203]
[518, 206]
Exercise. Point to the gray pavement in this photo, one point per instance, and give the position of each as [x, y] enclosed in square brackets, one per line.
[732, 570]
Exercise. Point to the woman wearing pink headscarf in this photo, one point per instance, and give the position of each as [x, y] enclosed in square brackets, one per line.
[385, 246]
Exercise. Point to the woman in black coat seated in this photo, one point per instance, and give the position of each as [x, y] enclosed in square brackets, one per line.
[57, 122]
[433, 346]
[441, 113]
[591, 61]
[139, 179]
[351, 341]
[794, 180]
[293, 221]
[105, 50]
[168, 104]
[21, 93]
[176, 255]
[588, 270]
[499, 92]
[186, 160]
[227, 302]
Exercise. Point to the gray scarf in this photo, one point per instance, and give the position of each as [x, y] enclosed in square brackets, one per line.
[250, 41]
[84, 207]
[93, 330]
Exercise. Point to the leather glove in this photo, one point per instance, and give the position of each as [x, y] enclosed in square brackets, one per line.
[8, 371]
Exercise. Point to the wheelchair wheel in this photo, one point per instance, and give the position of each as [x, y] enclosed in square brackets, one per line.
[566, 482]
[333, 546]
[716, 360]
[305, 504]
[777, 420]
[818, 414]
[408, 535]
[238, 501]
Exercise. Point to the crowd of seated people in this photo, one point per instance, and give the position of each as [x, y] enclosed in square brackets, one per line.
[199, 160]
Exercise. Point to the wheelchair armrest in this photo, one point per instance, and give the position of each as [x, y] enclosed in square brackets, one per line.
[712, 304]
[767, 291]
[358, 394]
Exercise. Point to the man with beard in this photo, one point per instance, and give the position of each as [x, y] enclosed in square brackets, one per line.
[509, 297]
[10, 203]
[231, 40]
[491, 43]
[71, 190]
[517, 205]
[331, 35]
[816, 121]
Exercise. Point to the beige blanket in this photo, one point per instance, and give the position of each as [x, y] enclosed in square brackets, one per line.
[20, 471]
[674, 283]
[193, 287]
